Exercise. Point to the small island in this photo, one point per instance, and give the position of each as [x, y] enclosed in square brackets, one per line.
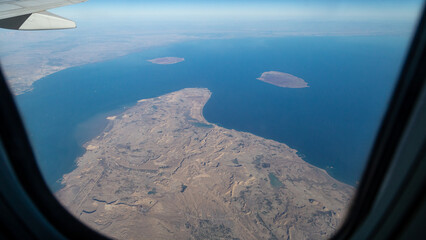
[166, 60]
[281, 79]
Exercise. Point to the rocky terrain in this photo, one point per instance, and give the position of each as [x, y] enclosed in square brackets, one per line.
[161, 171]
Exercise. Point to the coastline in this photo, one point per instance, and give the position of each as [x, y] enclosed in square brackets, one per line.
[156, 160]
[111, 116]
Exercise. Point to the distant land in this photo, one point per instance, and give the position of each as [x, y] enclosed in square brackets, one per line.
[166, 60]
[30, 56]
[281, 79]
[161, 171]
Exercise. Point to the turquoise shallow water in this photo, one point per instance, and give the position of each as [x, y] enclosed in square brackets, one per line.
[332, 123]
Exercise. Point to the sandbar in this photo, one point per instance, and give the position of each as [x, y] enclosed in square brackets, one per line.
[166, 60]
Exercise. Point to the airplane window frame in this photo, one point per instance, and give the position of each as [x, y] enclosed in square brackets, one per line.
[19, 155]
[396, 123]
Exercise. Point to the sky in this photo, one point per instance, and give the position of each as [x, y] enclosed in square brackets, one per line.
[245, 10]
[330, 17]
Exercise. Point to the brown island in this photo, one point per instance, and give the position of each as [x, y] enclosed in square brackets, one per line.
[166, 60]
[281, 79]
[161, 171]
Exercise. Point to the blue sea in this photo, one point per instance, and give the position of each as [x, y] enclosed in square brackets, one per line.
[332, 123]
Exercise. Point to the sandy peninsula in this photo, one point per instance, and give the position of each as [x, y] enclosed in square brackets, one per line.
[160, 170]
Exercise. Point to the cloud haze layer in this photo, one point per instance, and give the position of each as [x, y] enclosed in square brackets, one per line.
[243, 11]
[108, 29]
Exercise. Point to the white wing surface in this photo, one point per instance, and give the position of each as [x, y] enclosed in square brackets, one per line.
[32, 14]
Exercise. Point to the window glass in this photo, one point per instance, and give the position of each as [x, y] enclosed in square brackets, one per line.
[213, 120]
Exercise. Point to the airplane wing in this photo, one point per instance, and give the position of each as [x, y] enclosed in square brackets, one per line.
[32, 14]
